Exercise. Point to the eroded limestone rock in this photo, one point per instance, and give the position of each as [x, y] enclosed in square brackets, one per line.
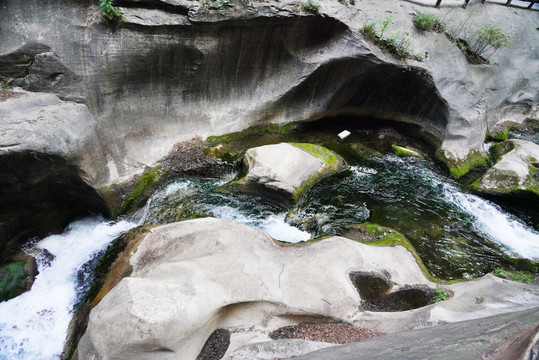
[190, 278]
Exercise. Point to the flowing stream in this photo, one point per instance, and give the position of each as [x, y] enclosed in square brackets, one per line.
[34, 325]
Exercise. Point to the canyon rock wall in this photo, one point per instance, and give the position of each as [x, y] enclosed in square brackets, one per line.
[177, 69]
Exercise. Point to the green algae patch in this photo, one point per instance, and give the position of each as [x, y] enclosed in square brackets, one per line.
[514, 275]
[238, 135]
[329, 158]
[384, 236]
[459, 168]
[230, 147]
[141, 190]
[404, 152]
[378, 235]
[498, 150]
[502, 135]
[332, 163]
[16, 277]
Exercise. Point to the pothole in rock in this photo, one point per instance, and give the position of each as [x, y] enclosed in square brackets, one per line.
[374, 291]
[216, 345]
[336, 333]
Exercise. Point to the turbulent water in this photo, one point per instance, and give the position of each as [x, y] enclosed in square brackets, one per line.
[195, 197]
[34, 325]
[456, 233]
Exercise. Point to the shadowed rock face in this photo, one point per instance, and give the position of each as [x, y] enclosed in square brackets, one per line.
[40, 194]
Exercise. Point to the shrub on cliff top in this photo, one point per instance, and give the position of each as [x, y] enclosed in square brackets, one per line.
[109, 12]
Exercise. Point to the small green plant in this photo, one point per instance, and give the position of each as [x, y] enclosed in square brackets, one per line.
[109, 12]
[515, 275]
[311, 6]
[384, 24]
[352, 2]
[428, 22]
[439, 294]
[369, 31]
[397, 44]
[489, 37]
[220, 4]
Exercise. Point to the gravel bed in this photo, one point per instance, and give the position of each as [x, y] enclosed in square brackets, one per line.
[336, 333]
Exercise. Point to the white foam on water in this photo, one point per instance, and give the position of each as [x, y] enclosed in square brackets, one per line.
[491, 221]
[488, 218]
[273, 224]
[34, 325]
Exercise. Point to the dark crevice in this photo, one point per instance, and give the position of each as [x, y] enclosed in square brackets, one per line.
[375, 296]
[154, 5]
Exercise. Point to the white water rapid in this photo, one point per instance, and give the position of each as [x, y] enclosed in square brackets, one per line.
[272, 224]
[487, 218]
[34, 325]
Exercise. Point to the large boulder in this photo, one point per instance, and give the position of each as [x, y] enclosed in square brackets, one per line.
[515, 173]
[187, 279]
[288, 168]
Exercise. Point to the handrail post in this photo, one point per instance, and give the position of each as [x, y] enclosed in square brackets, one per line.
[531, 5]
[508, 2]
[438, 2]
[465, 4]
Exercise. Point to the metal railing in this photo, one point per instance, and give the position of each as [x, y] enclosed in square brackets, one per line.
[508, 3]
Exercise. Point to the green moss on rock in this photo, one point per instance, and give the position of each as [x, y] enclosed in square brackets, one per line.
[498, 150]
[16, 277]
[459, 168]
[404, 152]
[332, 164]
[141, 190]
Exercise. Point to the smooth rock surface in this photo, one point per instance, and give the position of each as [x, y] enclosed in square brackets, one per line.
[467, 340]
[286, 168]
[516, 171]
[278, 349]
[193, 277]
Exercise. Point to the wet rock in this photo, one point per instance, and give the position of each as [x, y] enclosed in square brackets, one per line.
[515, 173]
[17, 276]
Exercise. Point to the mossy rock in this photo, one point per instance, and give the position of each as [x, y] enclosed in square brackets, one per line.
[406, 152]
[268, 175]
[458, 168]
[17, 276]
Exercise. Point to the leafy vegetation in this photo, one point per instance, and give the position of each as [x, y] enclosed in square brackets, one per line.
[397, 44]
[515, 275]
[428, 22]
[109, 12]
[440, 295]
[476, 45]
[310, 6]
[489, 38]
